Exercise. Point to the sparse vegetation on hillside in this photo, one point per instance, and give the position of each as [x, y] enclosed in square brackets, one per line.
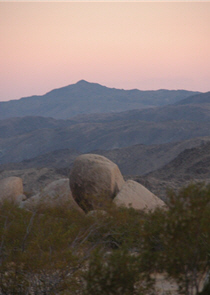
[61, 251]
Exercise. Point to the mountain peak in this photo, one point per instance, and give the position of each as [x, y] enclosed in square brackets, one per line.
[82, 82]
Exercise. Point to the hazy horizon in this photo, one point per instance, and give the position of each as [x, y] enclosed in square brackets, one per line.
[127, 45]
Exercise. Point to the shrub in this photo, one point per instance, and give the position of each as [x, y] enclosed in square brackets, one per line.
[61, 251]
[114, 274]
[178, 240]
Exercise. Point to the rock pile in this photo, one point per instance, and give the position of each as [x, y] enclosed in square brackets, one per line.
[57, 193]
[94, 183]
[94, 179]
[135, 195]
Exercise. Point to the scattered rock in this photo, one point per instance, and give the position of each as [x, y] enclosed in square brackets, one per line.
[93, 180]
[11, 188]
[57, 193]
[135, 195]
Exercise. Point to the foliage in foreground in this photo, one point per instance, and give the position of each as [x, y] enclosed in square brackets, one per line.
[177, 241]
[61, 251]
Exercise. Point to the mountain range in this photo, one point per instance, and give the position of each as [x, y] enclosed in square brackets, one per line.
[86, 98]
[28, 137]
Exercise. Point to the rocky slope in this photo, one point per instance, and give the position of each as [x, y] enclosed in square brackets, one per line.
[191, 165]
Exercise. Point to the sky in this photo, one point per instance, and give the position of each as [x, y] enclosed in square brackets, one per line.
[143, 45]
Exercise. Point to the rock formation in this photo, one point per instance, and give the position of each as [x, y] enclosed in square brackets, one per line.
[135, 195]
[11, 189]
[57, 193]
[94, 180]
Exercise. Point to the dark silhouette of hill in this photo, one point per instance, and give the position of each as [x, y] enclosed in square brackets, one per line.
[86, 98]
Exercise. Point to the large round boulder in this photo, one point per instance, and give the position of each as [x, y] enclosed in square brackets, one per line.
[11, 189]
[55, 194]
[94, 180]
[135, 195]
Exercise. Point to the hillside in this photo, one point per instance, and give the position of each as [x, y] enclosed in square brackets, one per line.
[191, 165]
[29, 137]
[194, 108]
[132, 160]
[17, 126]
[86, 137]
[196, 99]
[86, 98]
[23, 138]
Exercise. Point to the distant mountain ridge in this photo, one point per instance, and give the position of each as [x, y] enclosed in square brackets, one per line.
[28, 137]
[196, 99]
[87, 98]
[195, 108]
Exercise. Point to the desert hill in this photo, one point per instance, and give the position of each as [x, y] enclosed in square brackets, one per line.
[191, 165]
[86, 137]
[196, 99]
[85, 98]
[194, 108]
[21, 125]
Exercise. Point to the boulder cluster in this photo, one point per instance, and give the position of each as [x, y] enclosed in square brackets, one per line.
[94, 182]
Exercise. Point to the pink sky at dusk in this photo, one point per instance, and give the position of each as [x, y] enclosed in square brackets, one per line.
[144, 45]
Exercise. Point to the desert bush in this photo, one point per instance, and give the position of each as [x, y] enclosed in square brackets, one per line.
[45, 250]
[116, 273]
[177, 241]
[40, 251]
[120, 227]
[57, 250]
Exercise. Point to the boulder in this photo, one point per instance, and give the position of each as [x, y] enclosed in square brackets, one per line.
[57, 193]
[11, 188]
[135, 195]
[94, 180]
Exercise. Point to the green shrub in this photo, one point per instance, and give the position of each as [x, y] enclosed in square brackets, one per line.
[177, 241]
[114, 274]
[61, 251]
